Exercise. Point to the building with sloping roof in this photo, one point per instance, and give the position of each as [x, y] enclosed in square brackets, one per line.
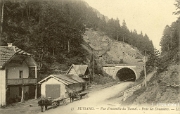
[80, 70]
[18, 75]
[58, 85]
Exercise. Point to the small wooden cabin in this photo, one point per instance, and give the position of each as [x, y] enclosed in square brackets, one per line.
[58, 85]
[80, 70]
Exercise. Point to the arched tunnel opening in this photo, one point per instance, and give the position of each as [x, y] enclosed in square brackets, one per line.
[126, 74]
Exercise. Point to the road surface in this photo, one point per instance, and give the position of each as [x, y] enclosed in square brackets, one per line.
[97, 102]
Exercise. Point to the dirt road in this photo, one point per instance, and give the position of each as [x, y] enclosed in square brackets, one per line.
[97, 102]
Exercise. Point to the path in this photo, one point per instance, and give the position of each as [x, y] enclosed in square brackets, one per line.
[93, 103]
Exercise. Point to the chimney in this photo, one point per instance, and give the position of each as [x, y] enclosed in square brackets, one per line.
[9, 44]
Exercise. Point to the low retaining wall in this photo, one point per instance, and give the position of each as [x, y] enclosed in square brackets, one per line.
[127, 93]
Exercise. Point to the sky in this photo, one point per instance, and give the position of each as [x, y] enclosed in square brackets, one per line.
[148, 16]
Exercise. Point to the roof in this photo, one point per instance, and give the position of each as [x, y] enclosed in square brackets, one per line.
[66, 79]
[76, 78]
[7, 52]
[79, 69]
[30, 62]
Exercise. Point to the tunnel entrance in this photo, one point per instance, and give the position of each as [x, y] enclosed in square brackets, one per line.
[126, 74]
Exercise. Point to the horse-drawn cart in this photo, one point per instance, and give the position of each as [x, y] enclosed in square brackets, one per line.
[82, 94]
[45, 102]
[76, 95]
[58, 101]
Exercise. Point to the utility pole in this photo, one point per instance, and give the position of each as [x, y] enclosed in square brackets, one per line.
[68, 46]
[124, 36]
[145, 81]
[117, 35]
[2, 13]
[123, 39]
[93, 63]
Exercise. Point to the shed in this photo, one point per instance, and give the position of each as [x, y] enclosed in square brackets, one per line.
[58, 85]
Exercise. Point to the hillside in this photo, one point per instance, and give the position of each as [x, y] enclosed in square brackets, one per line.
[106, 46]
[164, 86]
[54, 32]
[110, 51]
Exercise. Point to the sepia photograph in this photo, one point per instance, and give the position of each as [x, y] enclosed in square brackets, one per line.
[89, 56]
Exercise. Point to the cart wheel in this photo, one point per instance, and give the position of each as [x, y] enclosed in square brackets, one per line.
[57, 103]
[54, 104]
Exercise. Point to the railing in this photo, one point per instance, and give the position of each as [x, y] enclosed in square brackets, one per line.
[24, 81]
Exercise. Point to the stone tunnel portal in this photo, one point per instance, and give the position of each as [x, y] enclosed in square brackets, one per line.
[126, 74]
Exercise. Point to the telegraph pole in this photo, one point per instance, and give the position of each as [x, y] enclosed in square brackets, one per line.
[93, 63]
[145, 81]
[68, 46]
[2, 14]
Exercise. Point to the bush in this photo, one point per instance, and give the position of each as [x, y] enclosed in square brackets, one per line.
[100, 79]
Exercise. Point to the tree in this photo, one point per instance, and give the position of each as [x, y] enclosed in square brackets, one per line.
[164, 43]
[177, 4]
[153, 58]
[125, 30]
[91, 66]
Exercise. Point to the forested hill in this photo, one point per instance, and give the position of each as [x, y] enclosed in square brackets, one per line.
[170, 45]
[52, 30]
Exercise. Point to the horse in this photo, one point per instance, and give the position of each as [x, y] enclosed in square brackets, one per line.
[72, 96]
[43, 102]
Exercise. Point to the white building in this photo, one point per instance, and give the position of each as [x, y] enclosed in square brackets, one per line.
[58, 85]
[18, 75]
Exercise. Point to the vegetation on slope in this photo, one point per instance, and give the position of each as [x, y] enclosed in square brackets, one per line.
[165, 84]
[52, 30]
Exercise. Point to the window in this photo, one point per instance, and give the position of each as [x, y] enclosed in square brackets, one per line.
[20, 74]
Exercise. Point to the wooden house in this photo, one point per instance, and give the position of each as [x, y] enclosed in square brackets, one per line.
[80, 70]
[18, 75]
[58, 85]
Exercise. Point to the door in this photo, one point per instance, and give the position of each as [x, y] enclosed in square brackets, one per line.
[53, 90]
[31, 93]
